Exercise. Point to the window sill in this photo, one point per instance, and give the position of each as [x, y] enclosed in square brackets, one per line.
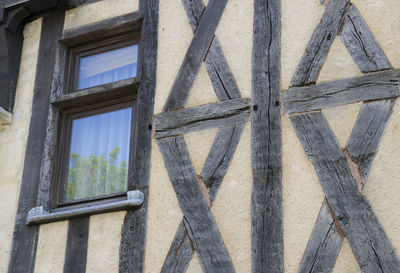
[39, 215]
[98, 94]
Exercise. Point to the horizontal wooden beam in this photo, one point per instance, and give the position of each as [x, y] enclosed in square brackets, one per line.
[221, 114]
[381, 85]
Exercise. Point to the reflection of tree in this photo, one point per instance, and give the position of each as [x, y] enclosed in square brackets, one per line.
[95, 176]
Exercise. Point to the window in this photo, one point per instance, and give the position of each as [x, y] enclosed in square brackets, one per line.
[96, 140]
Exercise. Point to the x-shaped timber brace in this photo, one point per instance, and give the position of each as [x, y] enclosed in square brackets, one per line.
[345, 212]
[198, 230]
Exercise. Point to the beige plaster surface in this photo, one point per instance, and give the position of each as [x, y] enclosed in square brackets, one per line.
[299, 19]
[346, 262]
[232, 206]
[302, 197]
[342, 119]
[13, 140]
[102, 10]
[164, 214]
[50, 253]
[104, 241]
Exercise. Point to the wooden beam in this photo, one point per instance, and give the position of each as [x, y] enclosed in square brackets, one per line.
[221, 76]
[199, 221]
[196, 52]
[370, 245]
[325, 243]
[380, 85]
[25, 238]
[221, 114]
[213, 172]
[266, 140]
[317, 49]
[133, 234]
[361, 43]
[77, 244]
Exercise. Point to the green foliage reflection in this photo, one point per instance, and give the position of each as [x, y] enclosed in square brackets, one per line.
[95, 176]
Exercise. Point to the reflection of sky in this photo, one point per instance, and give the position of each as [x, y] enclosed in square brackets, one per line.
[100, 134]
[109, 66]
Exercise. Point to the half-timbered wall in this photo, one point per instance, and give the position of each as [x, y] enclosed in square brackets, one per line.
[220, 160]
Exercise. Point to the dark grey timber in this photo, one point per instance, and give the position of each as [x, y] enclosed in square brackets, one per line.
[266, 140]
[133, 237]
[369, 243]
[361, 43]
[325, 243]
[195, 54]
[220, 114]
[376, 86]
[25, 238]
[216, 65]
[77, 244]
[130, 22]
[199, 221]
[10, 55]
[98, 94]
[317, 49]
[213, 172]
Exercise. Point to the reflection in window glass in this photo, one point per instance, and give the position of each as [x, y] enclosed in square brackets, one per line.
[99, 155]
[109, 66]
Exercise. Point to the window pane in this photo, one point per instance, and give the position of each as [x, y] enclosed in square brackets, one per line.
[99, 155]
[109, 66]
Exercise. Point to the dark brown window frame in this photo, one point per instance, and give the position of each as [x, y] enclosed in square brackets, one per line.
[94, 99]
[85, 50]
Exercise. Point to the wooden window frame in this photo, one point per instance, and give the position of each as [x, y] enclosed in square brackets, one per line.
[90, 49]
[90, 101]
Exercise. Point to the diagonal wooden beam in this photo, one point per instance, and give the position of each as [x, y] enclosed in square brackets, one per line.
[220, 114]
[325, 241]
[317, 49]
[266, 140]
[195, 54]
[221, 76]
[199, 221]
[361, 43]
[370, 245]
[380, 85]
[213, 172]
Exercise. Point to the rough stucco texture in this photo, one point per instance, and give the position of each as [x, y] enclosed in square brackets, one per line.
[13, 140]
[101, 10]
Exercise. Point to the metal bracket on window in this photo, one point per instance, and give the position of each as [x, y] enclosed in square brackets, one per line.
[38, 215]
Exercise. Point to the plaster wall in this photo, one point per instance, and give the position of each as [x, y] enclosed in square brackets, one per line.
[302, 194]
[13, 140]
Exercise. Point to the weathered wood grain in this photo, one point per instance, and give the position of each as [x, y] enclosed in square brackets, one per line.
[196, 52]
[77, 244]
[221, 114]
[133, 234]
[369, 243]
[221, 76]
[361, 43]
[367, 133]
[266, 140]
[380, 85]
[131, 22]
[25, 238]
[317, 49]
[97, 94]
[323, 246]
[213, 172]
[199, 221]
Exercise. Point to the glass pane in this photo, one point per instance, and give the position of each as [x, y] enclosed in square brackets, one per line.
[109, 66]
[99, 155]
